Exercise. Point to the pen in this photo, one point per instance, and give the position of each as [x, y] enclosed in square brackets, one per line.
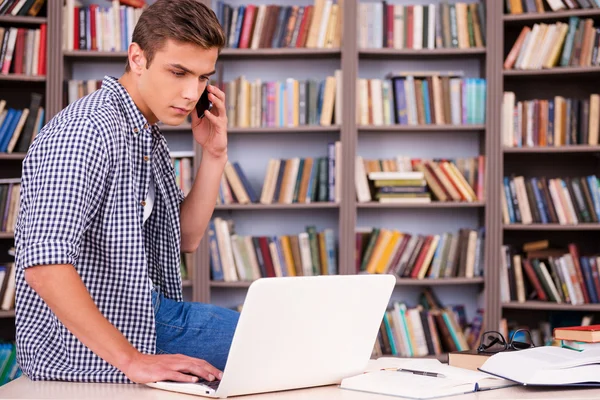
[424, 373]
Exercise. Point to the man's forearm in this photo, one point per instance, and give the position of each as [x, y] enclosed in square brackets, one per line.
[199, 204]
[61, 287]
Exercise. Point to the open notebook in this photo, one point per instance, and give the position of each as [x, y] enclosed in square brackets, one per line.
[384, 378]
[546, 366]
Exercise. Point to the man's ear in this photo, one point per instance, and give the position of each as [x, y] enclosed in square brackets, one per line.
[137, 60]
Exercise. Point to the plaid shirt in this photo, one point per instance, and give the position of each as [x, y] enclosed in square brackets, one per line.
[84, 182]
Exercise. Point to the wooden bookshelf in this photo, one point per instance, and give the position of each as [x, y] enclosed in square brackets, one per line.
[547, 305]
[555, 149]
[575, 71]
[94, 55]
[433, 204]
[549, 16]
[421, 128]
[551, 227]
[399, 282]
[268, 129]
[388, 53]
[280, 53]
[12, 156]
[22, 78]
[277, 206]
[22, 20]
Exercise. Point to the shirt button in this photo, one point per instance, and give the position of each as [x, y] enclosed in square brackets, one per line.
[135, 130]
[143, 202]
[146, 158]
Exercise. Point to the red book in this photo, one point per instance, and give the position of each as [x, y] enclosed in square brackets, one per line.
[409, 27]
[19, 51]
[579, 272]
[76, 28]
[589, 334]
[42, 55]
[390, 26]
[247, 26]
[93, 9]
[533, 279]
[304, 25]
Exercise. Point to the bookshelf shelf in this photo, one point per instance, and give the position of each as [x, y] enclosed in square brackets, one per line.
[17, 19]
[280, 53]
[556, 149]
[549, 16]
[7, 235]
[552, 227]
[410, 53]
[439, 281]
[399, 282]
[276, 129]
[420, 128]
[12, 156]
[22, 78]
[433, 204]
[551, 71]
[94, 55]
[546, 305]
[271, 207]
[7, 314]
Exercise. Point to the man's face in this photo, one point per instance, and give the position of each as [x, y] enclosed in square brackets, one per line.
[175, 80]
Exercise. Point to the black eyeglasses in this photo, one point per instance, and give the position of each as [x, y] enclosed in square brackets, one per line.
[494, 342]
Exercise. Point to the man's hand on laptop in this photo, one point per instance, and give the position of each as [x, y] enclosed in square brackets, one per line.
[145, 368]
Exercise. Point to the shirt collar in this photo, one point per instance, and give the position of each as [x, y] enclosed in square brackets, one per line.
[136, 120]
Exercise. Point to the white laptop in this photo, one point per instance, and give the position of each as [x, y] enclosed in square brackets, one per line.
[298, 332]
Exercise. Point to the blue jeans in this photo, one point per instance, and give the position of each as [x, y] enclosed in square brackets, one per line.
[197, 330]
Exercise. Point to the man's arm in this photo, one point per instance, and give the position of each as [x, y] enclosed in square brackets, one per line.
[60, 287]
[199, 204]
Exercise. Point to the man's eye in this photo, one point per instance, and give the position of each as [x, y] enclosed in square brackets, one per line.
[177, 73]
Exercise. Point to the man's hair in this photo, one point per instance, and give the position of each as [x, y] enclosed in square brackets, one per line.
[184, 21]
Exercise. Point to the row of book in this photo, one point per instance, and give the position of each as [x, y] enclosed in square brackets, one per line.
[10, 190]
[427, 26]
[252, 26]
[235, 257]
[7, 286]
[29, 8]
[550, 274]
[184, 177]
[461, 179]
[9, 367]
[98, 27]
[18, 127]
[572, 44]
[421, 98]
[23, 50]
[428, 328]
[566, 201]
[528, 6]
[285, 103]
[420, 256]
[557, 121]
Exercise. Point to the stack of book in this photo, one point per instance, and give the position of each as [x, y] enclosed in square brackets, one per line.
[572, 44]
[287, 103]
[23, 50]
[9, 203]
[400, 187]
[234, 257]
[421, 98]
[448, 180]
[182, 164]
[567, 201]
[97, 27]
[521, 6]
[426, 329]
[550, 274]
[420, 256]
[304, 180]
[430, 26]
[580, 338]
[19, 127]
[557, 121]
[235, 188]
[279, 26]
[21, 8]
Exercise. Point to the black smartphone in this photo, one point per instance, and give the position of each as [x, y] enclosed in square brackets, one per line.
[203, 104]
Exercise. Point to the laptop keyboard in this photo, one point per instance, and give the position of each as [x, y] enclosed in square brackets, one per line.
[211, 384]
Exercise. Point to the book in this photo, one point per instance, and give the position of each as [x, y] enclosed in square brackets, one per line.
[546, 366]
[588, 334]
[468, 359]
[429, 379]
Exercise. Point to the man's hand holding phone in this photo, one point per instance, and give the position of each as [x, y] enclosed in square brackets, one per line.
[210, 130]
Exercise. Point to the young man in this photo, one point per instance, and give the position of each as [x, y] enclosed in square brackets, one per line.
[102, 222]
